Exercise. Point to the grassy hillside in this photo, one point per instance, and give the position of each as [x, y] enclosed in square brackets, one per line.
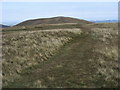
[61, 56]
[54, 20]
[43, 27]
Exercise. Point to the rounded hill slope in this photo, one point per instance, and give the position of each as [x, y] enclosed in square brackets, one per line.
[54, 20]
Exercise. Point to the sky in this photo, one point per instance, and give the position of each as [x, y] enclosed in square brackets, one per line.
[16, 12]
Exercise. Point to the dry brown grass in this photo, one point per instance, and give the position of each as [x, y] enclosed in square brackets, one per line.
[106, 53]
[27, 48]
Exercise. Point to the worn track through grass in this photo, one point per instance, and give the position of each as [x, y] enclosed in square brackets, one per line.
[69, 68]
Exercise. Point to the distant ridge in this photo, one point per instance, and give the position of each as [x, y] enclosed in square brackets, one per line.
[3, 26]
[54, 20]
[106, 21]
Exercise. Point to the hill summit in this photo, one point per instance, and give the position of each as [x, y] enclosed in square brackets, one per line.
[54, 20]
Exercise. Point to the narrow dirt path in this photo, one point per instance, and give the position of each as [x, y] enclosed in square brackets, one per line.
[70, 68]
